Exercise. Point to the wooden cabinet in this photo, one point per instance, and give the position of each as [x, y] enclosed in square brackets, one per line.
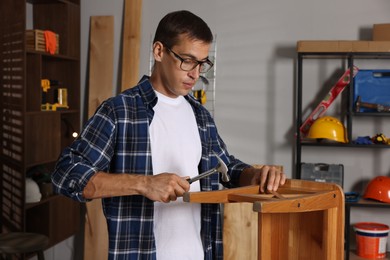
[32, 137]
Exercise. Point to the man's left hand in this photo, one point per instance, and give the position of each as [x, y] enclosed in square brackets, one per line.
[268, 177]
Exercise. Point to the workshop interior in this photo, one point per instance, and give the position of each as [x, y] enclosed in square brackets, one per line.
[300, 85]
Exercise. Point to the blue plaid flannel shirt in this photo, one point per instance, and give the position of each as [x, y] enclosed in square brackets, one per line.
[116, 140]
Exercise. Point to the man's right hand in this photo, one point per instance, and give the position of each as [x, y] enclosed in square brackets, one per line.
[165, 187]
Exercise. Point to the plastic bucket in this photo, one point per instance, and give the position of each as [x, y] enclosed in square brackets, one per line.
[371, 239]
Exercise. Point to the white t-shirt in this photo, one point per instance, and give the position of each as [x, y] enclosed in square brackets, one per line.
[176, 148]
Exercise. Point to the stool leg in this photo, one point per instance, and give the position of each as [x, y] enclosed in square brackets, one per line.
[40, 255]
[5, 256]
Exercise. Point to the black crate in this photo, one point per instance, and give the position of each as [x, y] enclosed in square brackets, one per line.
[323, 172]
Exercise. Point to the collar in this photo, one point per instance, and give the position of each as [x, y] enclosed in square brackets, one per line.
[147, 91]
[150, 98]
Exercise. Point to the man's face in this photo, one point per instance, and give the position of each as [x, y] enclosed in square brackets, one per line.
[169, 79]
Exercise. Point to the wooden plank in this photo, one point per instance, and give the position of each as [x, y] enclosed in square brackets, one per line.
[131, 43]
[264, 234]
[101, 57]
[220, 196]
[318, 201]
[343, 46]
[240, 230]
[101, 53]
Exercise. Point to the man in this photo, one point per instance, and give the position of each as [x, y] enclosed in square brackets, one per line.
[141, 146]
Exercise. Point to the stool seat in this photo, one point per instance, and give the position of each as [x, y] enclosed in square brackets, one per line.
[22, 242]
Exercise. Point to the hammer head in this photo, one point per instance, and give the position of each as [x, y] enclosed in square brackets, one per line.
[222, 168]
[357, 104]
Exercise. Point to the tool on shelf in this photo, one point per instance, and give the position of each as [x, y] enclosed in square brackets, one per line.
[200, 92]
[377, 107]
[344, 80]
[60, 95]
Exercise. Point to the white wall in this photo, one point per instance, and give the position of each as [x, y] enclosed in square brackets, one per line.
[256, 42]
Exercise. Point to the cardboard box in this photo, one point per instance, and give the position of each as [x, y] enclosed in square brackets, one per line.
[343, 46]
[381, 32]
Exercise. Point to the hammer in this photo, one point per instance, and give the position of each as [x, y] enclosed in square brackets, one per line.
[377, 107]
[221, 167]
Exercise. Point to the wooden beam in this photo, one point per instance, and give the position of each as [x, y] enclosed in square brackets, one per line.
[101, 67]
[131, 43]
[101, 59]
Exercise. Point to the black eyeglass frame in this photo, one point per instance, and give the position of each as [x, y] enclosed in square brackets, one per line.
[197, 62]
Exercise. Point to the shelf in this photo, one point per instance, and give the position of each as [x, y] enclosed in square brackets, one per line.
[370, 114]
[368, 204]
[46, 55]
[354, 256]
[41, 66]
[65, 111]
[42, 201]
[346, 52]
[31, 137]
[344, 55]
[77, 2]
[349, 145]
[341, 47]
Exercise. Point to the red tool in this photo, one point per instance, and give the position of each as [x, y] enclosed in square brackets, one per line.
[328, 100]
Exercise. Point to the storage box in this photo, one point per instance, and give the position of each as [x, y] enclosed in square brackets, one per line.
[373, 87]
[35, 40]
[381, 32]
[322, 172]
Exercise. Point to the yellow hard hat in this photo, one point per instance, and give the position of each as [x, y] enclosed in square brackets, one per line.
[328, 127]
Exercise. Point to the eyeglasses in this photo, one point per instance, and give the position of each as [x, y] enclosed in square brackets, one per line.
[189, 64]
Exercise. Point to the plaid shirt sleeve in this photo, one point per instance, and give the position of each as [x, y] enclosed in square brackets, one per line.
[115, 140]
[90, 153]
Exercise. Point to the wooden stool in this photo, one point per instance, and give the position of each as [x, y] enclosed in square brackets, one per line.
[20, 243]
[302, 220]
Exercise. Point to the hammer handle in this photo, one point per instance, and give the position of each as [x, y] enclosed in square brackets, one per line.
[377, 107]
[202, 175]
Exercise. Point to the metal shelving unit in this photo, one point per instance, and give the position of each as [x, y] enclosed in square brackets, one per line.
[348, 59]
